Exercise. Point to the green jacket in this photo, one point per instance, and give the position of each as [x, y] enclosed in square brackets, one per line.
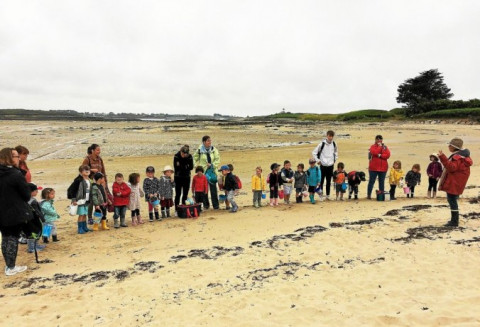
[200, 158]
[97, 196]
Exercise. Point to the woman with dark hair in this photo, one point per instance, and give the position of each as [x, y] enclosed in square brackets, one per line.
[14, 195]
[208, 157]
[95, 162]
[23, 153]
[182, 164]
[378, 165]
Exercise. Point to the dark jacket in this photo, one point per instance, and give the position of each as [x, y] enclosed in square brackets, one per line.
[14, 197]
[230, 183]
[456, 172]
[182, 166]
[413, 178]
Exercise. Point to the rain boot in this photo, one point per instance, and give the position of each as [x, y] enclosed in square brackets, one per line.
[312, 199]
[434, 195]
[300, 198]
[168, 212]
[454, 220]
[116, 223]
[134, 221]
[157, 215]
[80, 231]
[104, 225]
[139, 220]
[271, 202]
[150, 216]
[275, 202]
[164, 213]
[95, 226]
[122, 222]
[30, 245]
[85, 228]
[54, 239]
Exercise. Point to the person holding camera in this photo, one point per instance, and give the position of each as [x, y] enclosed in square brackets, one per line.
[378, 165]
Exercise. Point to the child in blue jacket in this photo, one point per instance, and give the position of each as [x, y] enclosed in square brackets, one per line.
[314, 177]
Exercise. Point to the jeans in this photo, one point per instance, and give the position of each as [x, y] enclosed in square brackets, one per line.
[257, 197]
[452, 201]
[371, 181]
[231, 199]
[120, 211]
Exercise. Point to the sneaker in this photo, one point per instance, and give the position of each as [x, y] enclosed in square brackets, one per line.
[22, 240]
[327, 197]
[14, 270]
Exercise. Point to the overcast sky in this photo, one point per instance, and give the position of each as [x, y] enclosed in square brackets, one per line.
[234, 57]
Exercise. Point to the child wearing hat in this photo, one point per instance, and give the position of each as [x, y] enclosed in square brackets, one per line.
[230, 186]
[455, 175]
[434, 172]
[166, 186]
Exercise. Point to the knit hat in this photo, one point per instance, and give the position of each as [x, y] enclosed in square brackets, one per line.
[457, 143]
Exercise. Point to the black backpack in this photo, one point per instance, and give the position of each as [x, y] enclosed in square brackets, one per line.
[323, 145]
[73, 188]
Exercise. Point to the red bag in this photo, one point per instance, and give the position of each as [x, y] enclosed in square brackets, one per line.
[188, 211]
[110, 207]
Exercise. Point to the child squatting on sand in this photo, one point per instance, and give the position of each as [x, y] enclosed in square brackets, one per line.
[455, 175]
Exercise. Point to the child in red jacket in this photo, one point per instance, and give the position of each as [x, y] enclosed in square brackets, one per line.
[200, 187]
[455, 175]
[121, 198]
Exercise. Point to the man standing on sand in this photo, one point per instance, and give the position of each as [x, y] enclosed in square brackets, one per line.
[325, 154]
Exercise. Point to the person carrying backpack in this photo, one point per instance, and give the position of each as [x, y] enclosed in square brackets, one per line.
[325, 155]
[208, 157]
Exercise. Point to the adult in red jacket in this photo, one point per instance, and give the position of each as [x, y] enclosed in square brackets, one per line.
[378, 166]
[121, 198]
[455, 175]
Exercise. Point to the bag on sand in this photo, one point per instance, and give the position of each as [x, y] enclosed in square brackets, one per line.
[189, 211]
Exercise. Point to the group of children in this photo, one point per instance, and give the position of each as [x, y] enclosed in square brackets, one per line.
[308, 183]
[303, 182]
[413, 178]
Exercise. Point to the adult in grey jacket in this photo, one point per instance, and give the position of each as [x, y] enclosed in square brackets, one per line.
[15, 212]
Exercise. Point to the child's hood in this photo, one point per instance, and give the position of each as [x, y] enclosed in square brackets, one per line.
[464, 154]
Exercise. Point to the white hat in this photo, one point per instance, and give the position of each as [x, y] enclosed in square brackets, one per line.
[167, 167]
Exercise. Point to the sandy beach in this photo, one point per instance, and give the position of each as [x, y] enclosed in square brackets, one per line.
[351, 263]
